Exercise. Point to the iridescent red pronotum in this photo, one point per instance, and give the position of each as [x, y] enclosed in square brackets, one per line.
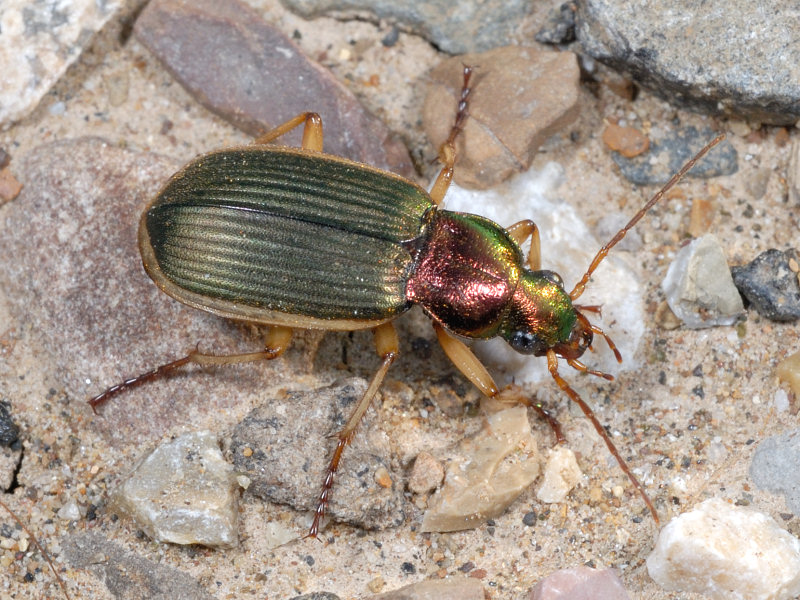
[295, 238]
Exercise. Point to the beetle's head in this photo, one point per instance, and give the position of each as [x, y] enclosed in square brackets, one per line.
[579, 340]
[542, 317]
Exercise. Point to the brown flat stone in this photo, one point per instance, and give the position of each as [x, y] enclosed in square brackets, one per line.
[249, 73]
[520, 97]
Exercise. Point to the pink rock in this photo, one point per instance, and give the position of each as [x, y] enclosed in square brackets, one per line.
[580, 583]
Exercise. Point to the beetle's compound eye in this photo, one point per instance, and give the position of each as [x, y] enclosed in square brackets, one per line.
[553, 277]
[525, 342]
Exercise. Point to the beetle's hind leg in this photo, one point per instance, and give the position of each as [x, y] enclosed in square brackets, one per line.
[312, 131]
[276, 341]
[447, 151]
[387, 346]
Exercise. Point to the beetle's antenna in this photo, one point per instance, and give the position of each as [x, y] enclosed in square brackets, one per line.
[581, 285]
[552, 366]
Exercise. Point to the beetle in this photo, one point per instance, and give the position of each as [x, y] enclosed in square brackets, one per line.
[295, 238]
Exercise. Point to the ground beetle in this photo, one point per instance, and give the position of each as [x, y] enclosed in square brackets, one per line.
[294, 238]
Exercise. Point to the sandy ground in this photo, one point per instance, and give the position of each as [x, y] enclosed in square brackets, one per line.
[685, 446]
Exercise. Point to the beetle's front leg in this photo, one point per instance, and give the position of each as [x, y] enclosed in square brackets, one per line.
[276, 341]
[387, 346]
[520, 232]
[474, 370]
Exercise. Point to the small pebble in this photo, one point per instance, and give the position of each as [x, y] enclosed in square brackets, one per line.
[9, 186]
[776, 467]
[376, 584]
[580, 583]
[788, 370]
[183, 492]
[699, 287]
[493, 468]
[668, 153]
[561, 474]
[452, 588]
[726, 552]
[559, 27]
[701, 216]
[9, 430]
[426, 474]
[628, 141]
[770, 285]
[70, 511]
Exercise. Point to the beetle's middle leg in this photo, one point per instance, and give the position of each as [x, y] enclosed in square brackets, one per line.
[387, 346]
[276, 341]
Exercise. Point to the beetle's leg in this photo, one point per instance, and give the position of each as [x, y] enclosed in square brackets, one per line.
[552, 366]
[472, 368]
[276, 341]
[520, 232]
[465, 361]
[387, 346]
[312, 131]
[579, 366]
[609, 342]
[447, 151]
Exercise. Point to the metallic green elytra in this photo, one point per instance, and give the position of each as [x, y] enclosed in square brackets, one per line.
[283, 236]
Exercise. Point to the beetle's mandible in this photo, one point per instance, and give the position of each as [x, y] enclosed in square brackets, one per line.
[294, 238]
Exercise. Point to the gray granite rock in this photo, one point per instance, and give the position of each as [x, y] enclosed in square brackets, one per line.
[264, 447]
[776, 467]
[126, 574]
[248, 72]
[669, 151]
[39, 41]
[453, 27]
[741, 59]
